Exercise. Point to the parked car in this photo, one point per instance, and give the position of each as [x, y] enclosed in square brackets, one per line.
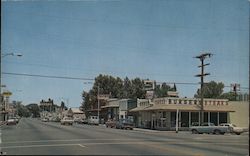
[125, 124]
[78, 120]
[209, 128]
[111, 123]
[233, 128]
[45, 120]
[17, 119]
[93, 120]
[11, 121]
[56, 119]
[85, 121]
[67, 121]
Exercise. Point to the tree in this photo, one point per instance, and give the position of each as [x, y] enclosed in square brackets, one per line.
[115, 87]
[162, 90]
[229, 95]
[138, 89]
[34, 109]
[22, 110]
[211, 90]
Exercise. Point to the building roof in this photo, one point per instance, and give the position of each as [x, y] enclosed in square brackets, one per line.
[110, 106]
[183, 107]
[77, 111]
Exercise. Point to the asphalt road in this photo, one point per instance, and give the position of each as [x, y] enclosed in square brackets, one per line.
[34, 137]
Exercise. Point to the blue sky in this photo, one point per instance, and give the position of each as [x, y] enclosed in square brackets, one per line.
[151, 39]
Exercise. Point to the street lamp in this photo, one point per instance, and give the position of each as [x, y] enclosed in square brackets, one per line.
[11, 54]
[2, 56]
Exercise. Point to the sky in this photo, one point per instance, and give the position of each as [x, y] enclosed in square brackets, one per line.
[149, 39]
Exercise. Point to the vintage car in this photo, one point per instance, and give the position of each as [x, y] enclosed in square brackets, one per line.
[67, 121]
[233, 128]
[11, 121]
[78, 120]
[125, 124]
[111, 124]
[209, 128]
[45, 120]
[93, 120]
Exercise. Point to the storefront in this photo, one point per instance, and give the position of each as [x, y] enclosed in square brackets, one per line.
[162, 114]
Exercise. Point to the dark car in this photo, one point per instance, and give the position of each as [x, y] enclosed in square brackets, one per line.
[125, 124]
[111, 124]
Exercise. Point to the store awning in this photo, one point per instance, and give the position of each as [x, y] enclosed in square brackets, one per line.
[183, 107]
[110, 106]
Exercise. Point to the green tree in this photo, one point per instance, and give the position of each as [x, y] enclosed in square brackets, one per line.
[116, 87]
[138, 89]
[229, 95]
[22, 110]
[34, 109]
[211, 90]
[162, 90]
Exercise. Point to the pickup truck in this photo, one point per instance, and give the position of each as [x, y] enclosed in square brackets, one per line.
[209, 128]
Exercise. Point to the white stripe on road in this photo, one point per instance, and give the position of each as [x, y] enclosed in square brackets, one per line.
[54, 145]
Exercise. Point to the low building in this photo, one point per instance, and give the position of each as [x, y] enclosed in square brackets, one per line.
[112, 109]
[77, 113]
[161, 113]
[119, 109]
[240, 116]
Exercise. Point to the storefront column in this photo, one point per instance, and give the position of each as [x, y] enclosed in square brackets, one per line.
[208, 116]
[199, 118]
[189, 119]
[179, 119]
[218, 118]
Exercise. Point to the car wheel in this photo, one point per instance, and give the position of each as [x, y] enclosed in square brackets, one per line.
[237, 133]
[194, 131]
[217, 132]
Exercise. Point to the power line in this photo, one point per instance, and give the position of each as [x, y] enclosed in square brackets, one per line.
[48, 76]
[91, 79]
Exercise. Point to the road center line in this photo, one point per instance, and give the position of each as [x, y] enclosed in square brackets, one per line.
[81, 145]
[54, 145]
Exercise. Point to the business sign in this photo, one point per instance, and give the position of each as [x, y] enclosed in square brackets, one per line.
[149, 84]
[103, 96]
[7, 94]
[149, 94]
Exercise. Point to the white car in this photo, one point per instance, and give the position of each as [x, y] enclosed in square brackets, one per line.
[11, 121]
[67, 121]
[233, 128]
[93, 120]
[45, 119]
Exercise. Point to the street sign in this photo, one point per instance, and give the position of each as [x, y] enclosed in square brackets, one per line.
[7, 94]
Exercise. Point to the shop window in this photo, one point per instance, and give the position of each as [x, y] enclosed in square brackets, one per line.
[169, 101]
[222, 117]
[190, 102]
[175, 101]
[214, 118]
[173, 118]
[195, 102]
[205, 116]
[184, 119]
[185, 101]
[179, 101]
[194, 118]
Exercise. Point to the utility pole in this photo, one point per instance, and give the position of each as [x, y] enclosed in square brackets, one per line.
[98, 104]
[202, 57]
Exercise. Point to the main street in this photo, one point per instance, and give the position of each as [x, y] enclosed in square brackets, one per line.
[33, 137]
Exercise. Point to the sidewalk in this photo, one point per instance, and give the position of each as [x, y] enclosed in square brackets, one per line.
[2, 123]
[158, 131]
